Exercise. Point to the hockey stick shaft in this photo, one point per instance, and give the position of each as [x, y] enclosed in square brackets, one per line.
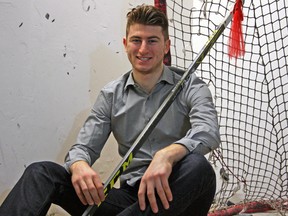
[126, 160]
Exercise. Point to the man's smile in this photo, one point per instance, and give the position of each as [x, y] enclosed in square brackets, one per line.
[143, 58]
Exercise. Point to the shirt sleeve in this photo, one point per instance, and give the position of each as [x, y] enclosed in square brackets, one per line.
[203, 136]
[93, 134]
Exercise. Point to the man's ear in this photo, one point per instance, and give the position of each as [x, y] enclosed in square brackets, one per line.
[167, 45]
[124, 41]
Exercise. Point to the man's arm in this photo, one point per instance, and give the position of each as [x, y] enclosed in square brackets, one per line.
[90, 141]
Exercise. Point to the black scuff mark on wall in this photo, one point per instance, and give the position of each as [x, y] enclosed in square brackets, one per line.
[88, 4]
[65, 51]
[47, 16]
[74, 68]
[20, 24]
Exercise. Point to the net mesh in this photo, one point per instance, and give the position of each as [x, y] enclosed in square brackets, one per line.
[250, 94]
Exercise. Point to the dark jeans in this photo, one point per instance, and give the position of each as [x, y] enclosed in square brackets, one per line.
[192, 183]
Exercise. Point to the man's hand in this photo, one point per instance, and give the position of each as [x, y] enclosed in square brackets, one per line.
[155, 179]
[87, 183]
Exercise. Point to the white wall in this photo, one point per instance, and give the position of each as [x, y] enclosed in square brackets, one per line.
[54, 58]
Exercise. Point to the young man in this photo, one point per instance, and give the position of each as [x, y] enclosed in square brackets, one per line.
[169, 175]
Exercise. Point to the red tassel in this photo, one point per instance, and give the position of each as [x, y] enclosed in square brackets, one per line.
[236, 42]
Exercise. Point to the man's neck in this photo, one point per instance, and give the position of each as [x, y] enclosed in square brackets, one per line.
[147, 81]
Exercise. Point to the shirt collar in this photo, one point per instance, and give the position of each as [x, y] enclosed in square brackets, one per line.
[167, 77]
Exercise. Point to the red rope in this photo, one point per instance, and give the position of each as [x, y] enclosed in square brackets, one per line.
[236, 42]
[251, 207]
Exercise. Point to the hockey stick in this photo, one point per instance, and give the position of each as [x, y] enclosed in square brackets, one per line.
[126, 160]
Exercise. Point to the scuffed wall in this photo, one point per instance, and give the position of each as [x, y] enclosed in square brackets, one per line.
[54, 58]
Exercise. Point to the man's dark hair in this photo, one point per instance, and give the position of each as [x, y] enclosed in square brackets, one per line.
[147, 15]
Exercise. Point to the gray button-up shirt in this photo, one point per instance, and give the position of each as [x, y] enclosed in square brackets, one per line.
[124, 109]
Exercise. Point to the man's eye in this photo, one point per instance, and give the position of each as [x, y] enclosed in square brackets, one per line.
[136, 40]
[152, 41]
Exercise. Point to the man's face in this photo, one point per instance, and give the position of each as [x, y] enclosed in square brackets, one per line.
[145, 46]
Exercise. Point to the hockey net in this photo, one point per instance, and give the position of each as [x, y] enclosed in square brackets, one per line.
[250, 95]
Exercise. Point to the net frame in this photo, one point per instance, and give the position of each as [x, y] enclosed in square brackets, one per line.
[250, 95]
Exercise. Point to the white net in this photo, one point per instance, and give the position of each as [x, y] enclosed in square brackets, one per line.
[251, 94]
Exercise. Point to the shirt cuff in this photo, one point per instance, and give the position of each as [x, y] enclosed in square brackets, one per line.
[194, 146]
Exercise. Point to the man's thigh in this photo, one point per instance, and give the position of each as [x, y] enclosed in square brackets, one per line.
[117, 200]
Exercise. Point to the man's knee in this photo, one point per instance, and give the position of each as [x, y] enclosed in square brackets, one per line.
[44, 169]
[203, 172]
[197, 163]
[193, 171]
[41, 167]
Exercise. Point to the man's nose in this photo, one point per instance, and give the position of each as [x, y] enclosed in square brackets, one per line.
[143, 47]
